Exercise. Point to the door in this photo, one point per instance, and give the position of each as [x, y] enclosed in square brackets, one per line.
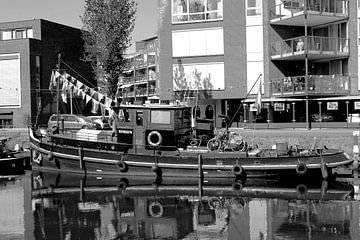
[139, 137]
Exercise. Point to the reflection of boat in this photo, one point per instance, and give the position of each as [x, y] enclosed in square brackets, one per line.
[67, 205]
[52, 182]
[155, 138]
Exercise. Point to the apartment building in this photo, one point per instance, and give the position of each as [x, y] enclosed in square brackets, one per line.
[28, 53]
[301, 55]
[139, 80]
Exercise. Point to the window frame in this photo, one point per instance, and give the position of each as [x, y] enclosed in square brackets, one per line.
[186, 15]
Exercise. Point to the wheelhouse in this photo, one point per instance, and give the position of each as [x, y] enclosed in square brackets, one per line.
[153, 126]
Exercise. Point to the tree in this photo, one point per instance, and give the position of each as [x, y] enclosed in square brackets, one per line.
[108, 25]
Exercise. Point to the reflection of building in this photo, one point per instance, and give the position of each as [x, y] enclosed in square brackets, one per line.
[300, 47]
[139, 81]
[28, 52]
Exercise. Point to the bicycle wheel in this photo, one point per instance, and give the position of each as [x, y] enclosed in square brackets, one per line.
[213, 144]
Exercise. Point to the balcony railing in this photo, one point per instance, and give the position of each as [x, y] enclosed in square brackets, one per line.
[139, 79]
[316, 84]
[292, 7]
[310, 44]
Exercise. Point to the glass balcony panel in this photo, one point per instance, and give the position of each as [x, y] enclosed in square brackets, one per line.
[317, 84]
[291, 7]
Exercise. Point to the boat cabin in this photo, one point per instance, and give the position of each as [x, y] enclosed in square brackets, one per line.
[153, 126]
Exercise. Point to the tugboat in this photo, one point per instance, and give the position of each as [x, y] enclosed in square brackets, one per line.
[156, 139]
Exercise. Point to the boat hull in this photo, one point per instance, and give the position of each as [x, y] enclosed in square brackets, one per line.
[204, 164]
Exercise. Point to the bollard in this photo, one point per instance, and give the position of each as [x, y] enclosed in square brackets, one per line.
[356, 151]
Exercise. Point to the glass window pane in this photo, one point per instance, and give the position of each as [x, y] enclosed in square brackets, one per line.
[30, 33]
[197, 6]
[6, 35]
[179, 6]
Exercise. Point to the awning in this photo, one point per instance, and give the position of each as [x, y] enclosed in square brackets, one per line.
[338, 98]
[126, 85]
[251, 100]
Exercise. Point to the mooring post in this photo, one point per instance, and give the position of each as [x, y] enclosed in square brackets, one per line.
[81, 157]
[356, 150]
[356, 164]
[200, 174]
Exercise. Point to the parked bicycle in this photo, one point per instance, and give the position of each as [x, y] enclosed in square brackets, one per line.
[226, 141]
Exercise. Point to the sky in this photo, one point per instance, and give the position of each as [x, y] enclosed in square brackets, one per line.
[68, 12]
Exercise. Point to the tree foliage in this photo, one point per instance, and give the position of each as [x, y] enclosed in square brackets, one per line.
[108, 25]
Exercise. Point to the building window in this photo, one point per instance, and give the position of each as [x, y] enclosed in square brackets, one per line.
[253, 7]
[10, 90]
[209, 76]
[16, 34]
[6, 35]
[20, 33]
[30, 33]
[198, 42]
[196, 10]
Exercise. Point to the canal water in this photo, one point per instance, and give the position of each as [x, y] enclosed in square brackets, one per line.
[45, 205]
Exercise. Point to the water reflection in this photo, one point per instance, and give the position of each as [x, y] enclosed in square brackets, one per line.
[94, 207]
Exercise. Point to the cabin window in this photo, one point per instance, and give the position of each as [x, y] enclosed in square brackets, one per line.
[179, 116]
[196, 112]
[139, 118]
[209, 112]
[187, 115]
[160, 117]
[124, 115]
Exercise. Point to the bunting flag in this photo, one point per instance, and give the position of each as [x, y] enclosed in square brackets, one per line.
[87, 98]
[67, 82]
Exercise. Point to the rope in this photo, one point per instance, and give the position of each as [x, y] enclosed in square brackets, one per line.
[77, 73]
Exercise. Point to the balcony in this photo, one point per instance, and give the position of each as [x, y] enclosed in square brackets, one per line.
[315, 48]
[316, 85]
[318, 12]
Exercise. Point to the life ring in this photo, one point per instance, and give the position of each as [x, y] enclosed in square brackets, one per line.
[122, 166]
[36, 157]
[150, 138]
[156, 209]
[301, 168]
[237, 170]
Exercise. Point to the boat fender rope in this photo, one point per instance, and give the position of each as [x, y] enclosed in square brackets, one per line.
[301, 168]
[156, 209]
[36, 157]
[122, 166]
[237, 170]
[150, 138]
[50, 156]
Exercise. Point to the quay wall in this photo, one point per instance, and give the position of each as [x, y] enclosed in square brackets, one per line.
[331, 138]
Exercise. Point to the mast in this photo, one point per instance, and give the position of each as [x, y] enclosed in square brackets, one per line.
[57, 93]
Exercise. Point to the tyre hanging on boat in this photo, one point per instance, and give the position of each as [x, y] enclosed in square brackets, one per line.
[154, 138]
[50, 156]
[301, 169]
[122, 166]
[237, 170]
